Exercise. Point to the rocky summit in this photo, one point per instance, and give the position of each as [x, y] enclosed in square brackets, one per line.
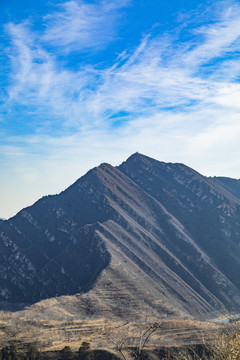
[144, 235]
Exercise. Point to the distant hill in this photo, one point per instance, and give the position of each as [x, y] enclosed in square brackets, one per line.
[145, 236]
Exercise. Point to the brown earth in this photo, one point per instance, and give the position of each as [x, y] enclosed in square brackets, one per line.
[57, 322]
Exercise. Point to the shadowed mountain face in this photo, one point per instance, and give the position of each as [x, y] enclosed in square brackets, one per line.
[232, 185]
[144, 235]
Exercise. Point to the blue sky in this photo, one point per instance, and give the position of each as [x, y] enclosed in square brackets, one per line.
[85, 82]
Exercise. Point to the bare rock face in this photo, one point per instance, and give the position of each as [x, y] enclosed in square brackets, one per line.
[145, 235]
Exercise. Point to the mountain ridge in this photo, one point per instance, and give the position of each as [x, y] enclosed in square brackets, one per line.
[163, 223]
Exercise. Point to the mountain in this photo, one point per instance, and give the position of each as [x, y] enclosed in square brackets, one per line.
[146, 236]
[232, 185]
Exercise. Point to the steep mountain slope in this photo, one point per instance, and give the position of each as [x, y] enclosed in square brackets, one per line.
[207, 210]
[46, 249]
[146, 236]
[232, 185]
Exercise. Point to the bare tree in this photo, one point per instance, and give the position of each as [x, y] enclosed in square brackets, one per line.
[121, 343]
[145, 337]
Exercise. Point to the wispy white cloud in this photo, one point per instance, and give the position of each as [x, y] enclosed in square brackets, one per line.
[217, 39]
[39, 84]
[79, 26]
[155, 76]
[171, 99]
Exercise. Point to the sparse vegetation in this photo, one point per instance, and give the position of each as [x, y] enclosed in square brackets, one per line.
[84, 351]
[146, 340]
[67, 353]
[32, 353]
[226, 345]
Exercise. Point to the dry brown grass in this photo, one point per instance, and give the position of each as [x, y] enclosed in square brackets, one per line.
[226, 344]
[62, 328]
[53, 332]
[54, 323]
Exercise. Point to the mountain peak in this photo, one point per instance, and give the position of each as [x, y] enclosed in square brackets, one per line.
[137, 155]
[135, 159]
